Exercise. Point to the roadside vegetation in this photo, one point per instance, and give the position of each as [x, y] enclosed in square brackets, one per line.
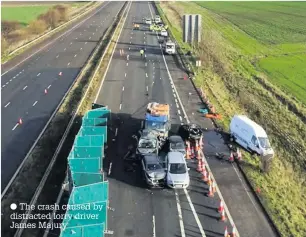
[253, 63]
[21, 24]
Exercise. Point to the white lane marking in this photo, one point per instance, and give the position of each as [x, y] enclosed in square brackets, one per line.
[11, 79]
[110, 168]
[127, 64]
[38, 74]
[3, 86]
[146, 64]
[180, 216]
[90, 37]
[70, 43]
[181, 118]
[116, 132]
[130, 42]
[35, 103]
[85, 42]
[81, 48]
[68, 64]
[144, 37]
[153, 221]
[146, 75]
[144, 42]
[131, 37]
[174, 95]
[7, 104]
[179, 112]
[14, 77]
[176, 101]
[120, 106]
[15, 126]
[57, 56]
[93, 33]
[48, 86]
[194, 213]
[76, 38]
[75, 55]
[147, 88]
[145, 55]
[7, 83]
[24, 88]
[64, 49]
[122, 88]
[124, 74]
[177, 106]
[129, 48]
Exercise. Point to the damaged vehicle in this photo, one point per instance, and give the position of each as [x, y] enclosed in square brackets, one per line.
[153, 172]
[176, 143]
[148, 143]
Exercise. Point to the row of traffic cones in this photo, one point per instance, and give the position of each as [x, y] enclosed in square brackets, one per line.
[193, 151]
[237, 154]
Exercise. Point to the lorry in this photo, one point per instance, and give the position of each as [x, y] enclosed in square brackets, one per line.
[169, 47]
[157, 118]
[250, 136]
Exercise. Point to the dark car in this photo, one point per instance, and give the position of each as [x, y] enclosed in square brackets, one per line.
[190, 131]
[153, 172]
[176, 143]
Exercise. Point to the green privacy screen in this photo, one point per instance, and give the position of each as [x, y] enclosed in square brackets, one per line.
[87, 214]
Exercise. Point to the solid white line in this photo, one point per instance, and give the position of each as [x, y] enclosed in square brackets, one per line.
[154, 232]
[7, 104]
[24, 88]
[38, 74]
[195, 213]
[116, 132]
[122, 88]
[110, 168]
[48, 86]
[35, 103]
[180, 216]
[120, 107]
[15, 126]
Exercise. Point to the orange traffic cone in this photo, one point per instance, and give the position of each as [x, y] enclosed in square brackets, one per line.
[188, 150]
[208, 179]
[199, 168]
[226, 232]
[231, 158]
[223, 218]
[203, 165]
[214, 187]
[239, 155]
[210, 192]
[60, 73]
[46, 91]
[221, 207]
[234, 232]
[20, 121]
[204, 177]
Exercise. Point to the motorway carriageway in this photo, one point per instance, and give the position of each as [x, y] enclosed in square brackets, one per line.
[130, 83]
[23, 87]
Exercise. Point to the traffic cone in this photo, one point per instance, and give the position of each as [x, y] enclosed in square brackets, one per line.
[231, 158]
[187, 150]
[204, 177]
[20, 121]
[60, 73]
[46, 91]
[221, 207]
[234, 232]
[214, 187]
[208, 179]
[239, 155]
[226, 232]
[203, 165]
[199, 168]
[185, 77]
[223, 218]
[210, 192]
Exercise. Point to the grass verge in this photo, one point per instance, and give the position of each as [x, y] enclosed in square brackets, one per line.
[17, 49]
[228, 78]
[36, 164]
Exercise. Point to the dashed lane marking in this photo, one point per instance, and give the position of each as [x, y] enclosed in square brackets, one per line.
[35, 103]
[124, 74]
[75, 55]
[57, 56]
[7, 104]
[48, 86]
[120, 106]
[146, 75]
[122, 88]
[38, 74]
[15, 126]
[110, 168]
[24, 88]
[68, 64]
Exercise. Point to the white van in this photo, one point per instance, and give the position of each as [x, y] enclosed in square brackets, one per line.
[177, 170]
[250, 135]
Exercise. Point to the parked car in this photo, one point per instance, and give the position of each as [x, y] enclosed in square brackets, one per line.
[250, 135]
[177, 170]
[176, 143]
[153, 172]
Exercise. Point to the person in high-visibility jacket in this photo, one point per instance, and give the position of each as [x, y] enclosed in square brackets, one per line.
[141, 52]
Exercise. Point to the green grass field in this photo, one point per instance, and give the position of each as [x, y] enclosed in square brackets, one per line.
[270, 28]
[235, 53]
[23, 14]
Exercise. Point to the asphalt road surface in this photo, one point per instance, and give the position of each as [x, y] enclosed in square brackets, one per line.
[130, 83]
[23, 87]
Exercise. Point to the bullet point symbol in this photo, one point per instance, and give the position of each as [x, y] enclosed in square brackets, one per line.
[13, 206]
